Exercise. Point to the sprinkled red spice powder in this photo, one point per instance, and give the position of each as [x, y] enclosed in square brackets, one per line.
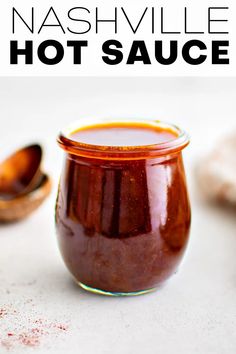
[28, 333]
[62, 327]
[3, 312]
[29, 339]
[6, 344]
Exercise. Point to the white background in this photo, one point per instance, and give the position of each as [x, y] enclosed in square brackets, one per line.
[196, 310]
[92, 64]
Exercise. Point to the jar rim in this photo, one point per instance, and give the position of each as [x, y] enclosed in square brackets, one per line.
[114, 152]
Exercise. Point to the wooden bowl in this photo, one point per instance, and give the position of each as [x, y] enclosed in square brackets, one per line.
[21, 172]
[20, 207]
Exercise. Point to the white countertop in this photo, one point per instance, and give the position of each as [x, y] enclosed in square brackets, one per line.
[41, 309]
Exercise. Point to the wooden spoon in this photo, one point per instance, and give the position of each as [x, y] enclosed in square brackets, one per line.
[20, 207]
[20, 173]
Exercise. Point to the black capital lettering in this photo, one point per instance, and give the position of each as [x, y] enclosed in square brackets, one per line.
[186, 52]
[134, 30]
[106, 21]
[217, 51]
[159, 53]
[138, 46]
[77, 45]
[162, 24]
[59, 52]
[27, 52]
[78, 20]
[30, 27]
[185, 24]
[57, 24]
[210, 20]
[118, 55]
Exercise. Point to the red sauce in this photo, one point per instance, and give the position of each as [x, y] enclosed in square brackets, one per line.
[123, 213]
[122, 135]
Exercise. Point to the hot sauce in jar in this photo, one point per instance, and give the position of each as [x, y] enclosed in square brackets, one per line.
[123, 212]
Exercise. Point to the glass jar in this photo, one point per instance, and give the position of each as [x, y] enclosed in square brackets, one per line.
[122, 212]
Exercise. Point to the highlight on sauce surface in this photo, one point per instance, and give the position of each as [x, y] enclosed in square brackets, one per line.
[139, 134]
[123, 224]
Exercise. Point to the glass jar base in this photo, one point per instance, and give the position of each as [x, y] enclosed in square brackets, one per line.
[108, 293]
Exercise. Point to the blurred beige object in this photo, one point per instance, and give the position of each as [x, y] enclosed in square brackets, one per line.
[217, 172]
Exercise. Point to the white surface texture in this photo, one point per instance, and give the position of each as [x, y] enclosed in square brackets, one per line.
[195, 312]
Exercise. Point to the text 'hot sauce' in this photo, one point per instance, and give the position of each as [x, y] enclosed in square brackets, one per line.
[122, 212]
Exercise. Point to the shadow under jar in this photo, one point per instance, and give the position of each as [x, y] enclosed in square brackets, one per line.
[122, 211]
